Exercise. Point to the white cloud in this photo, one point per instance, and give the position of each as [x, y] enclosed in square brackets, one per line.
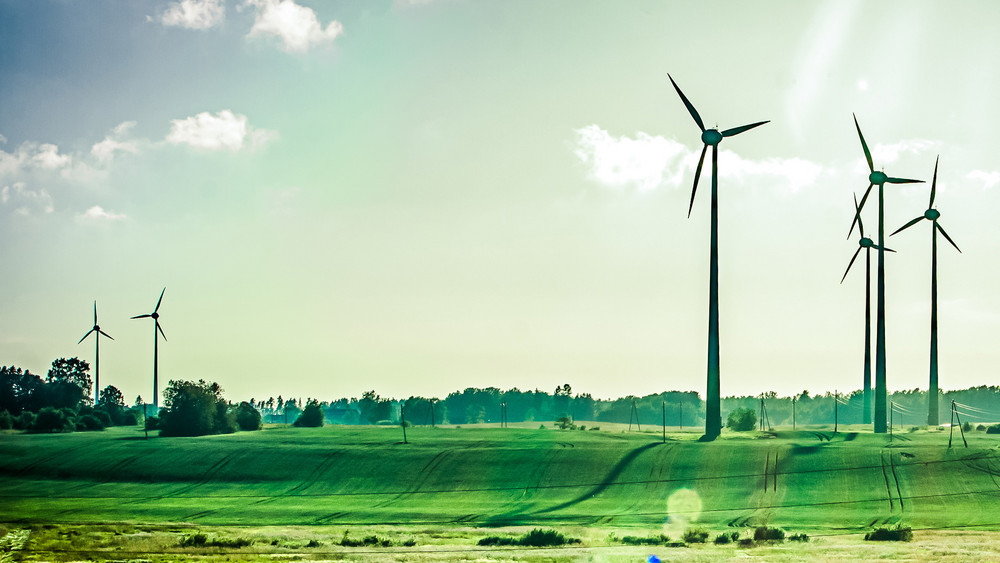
[47, 156]
[885, 154]
[24, 200]
[222, 131]
[296, 26]
[642, 162]
[3, 140]
[194, 14]
[97, 214]
[989, 179]
[30, 155]
[646, 162]
[115, 142]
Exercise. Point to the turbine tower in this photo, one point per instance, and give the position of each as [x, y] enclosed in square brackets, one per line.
[156, 327]
[97, 353]
[932, 215]
[879, 178]
[713, 407]
[866, 244]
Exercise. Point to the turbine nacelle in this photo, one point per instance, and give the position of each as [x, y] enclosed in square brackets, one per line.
[877, 177]
[155, 315]
[711, 137]
[932, 214]
[866, 242]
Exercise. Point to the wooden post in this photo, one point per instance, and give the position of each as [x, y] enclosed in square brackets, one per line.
[793, 413]
[402, 421]
[664, 404]
[836, 410]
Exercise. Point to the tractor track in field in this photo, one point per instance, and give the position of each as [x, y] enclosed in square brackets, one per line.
[895, 477]
[322, 467]
[885, 476]
[47, 459]
[425, 473]
[206, 477]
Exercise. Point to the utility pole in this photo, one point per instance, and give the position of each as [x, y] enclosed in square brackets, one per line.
[402, 420]
[432, 412]
[892, 407]
[664, 422]
[836, 410]
[793, 413]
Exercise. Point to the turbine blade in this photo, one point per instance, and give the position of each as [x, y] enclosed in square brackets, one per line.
[864, 145]
[161, 331]
[95, 312]
[141, 316]
[158, 301]
[853, 258]
[908, 225]
[934, 182]
[940, 228]
[877, 247]
[105, 334]
[737, 130]
[903, 181]
[687, 103]
[697, 174]
[86, 335]
[857, 216]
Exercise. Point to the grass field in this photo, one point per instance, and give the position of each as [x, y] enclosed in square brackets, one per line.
[470, 481]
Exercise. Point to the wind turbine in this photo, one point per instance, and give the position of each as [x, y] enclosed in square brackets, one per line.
[97, 353]
[156, 327]
[932, 215]
[878, 178]
[865, 244]
[713, 410]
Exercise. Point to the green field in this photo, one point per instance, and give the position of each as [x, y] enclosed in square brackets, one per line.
[811, 481]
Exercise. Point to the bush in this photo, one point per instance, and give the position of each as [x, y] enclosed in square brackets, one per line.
[247, 417]
[195, 409]
[899, 533]
[90, 422]
[25, 420]
[742, 420]
[312, 415]
[981, 427]
[763, 533]
[313, 543]
[564, 423]
[645, 540]
[967, 426]
[799, 537]
[725, 538]
[695, 535]
[993, 429]
[126, 418]
[592, 428]
[367, 541]
[535, 538]
[224, 421]
[52, 420]
[6, 420]
[201, 540]
[152, 422]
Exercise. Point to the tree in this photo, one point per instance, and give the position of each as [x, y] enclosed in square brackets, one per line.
[247, 417]
[20, 390]
[68, 383]
[312, 415]
[111, 397]
[195, 409]
[742, 420]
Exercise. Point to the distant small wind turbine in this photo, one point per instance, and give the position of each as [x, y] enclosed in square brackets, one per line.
[880, 179]
[156, 327]
[865, 244]
[713, 404]
[932, 215]
[97, 353]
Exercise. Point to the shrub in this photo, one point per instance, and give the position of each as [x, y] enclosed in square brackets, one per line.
[993, 429]
[410, 543]
[52, 420]
[564, 423]
[592, 428]
[541, 427]
[25, 420]
[763, 533]
[224, 421]
[6, 420]
[722, 539]
[745, 542]
[695, 535]
[899, 533]
[126, 418]
[367, 541]
[742, 420]
[967, 426]
[90, 422]
[313, 543]
[645, 540]
[583, 427]
[981, 427]
[247, 417]
[535, 538]
[201, 540]
[799, 537]
[152, 422]
[195, 409]
[312, 415]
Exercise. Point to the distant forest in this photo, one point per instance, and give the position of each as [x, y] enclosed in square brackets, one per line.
[682, 408]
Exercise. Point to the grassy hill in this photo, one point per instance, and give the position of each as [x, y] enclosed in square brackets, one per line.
[804, 480]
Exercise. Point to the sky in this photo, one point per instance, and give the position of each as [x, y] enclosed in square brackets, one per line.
[420, 196]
